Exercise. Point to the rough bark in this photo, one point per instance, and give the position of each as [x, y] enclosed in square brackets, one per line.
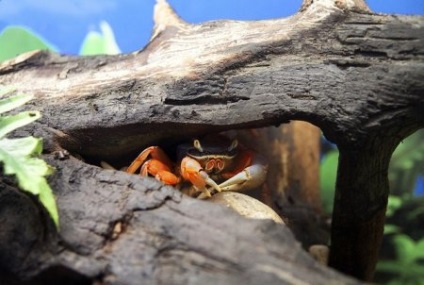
[123, 229]
[356, 75]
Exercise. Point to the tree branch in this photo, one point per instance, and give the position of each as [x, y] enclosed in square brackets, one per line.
[356, 75]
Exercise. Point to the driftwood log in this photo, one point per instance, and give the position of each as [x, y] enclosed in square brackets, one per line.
[356, 75]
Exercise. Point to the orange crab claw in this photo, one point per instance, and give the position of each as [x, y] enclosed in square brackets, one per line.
[248, 178]
[160, 171]
[155, 153]
[158, 166]
[192, 171]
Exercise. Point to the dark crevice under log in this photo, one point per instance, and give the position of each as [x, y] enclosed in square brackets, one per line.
[163, 236]
[356, 75]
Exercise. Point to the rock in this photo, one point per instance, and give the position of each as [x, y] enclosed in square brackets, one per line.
[246, 206]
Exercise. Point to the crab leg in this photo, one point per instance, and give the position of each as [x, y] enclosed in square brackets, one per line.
[160, 171]
[158, 166]
[249, 178]
[192, 171]
[155, 153]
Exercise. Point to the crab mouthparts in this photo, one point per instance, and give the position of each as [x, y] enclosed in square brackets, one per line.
[214, 165]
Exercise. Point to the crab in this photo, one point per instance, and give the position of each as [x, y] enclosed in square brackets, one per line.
[212, 165]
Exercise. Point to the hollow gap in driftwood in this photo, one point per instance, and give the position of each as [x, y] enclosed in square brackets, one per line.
[292, 150]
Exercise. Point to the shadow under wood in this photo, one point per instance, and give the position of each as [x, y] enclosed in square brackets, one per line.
[52, 276]
[292, 150]
[120, 143]
[24, 226]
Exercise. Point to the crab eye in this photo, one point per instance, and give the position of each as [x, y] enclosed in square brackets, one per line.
[197, 145]
[233, 145]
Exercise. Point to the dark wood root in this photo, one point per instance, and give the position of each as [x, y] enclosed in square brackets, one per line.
[355, 75]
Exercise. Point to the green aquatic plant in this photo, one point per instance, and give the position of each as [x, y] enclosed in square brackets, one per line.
[100, 43]
[408, 267]
[15, 40]
[407, 164]
[20, 156]
[327, 175]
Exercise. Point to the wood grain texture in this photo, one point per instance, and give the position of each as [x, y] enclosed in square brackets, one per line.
[292, 186]
[122, 229]
[354, 74]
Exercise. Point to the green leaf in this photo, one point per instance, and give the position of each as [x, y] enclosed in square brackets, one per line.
[327, 176]
[13, 102]
[47, 199]
[92, 44]
[22, 146]
[17, 159]
[100, 43]
[405, 248]
[11, 123]
[407, 164]
[6, 90]
[393, 204]
[15, 40]
[407, 270]
[391, 229]
[390, 266]
[419, 249]
[16, 155]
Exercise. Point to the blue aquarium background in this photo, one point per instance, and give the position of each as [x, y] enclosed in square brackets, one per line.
[113, 26]
[65, 23]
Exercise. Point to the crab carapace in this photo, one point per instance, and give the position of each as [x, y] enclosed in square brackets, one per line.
[213, 163]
